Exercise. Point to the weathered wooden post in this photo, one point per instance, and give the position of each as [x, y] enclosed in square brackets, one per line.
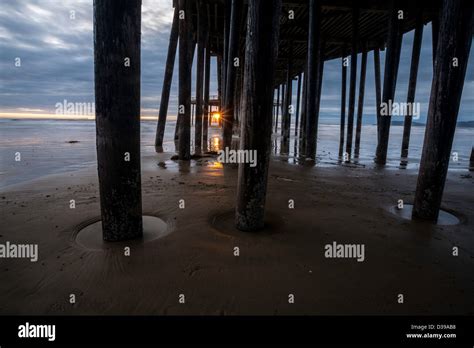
[302, 137]
[314, 44]
[471, 160]
[184, 97]
[392, 59]
[434, 37]
[225, 53]
[360, 105]
[343, 104]
[352, 82]
[415, 58]
[168, 78]
[321, 49]
[452, 53]
[298, 102]
[199, 79]
[378, 92]
[207, 80]
[219, 81]
[277, 109]
[117, 28]
[282, 104]
[228, 112]
[260, 58]
[180, 115]
[286, 118]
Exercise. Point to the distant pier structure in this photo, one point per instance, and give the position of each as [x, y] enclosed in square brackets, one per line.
[261, 47]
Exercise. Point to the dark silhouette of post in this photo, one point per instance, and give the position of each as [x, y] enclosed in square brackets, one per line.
[298, 102]
[185, 58]
[314, 67]
[302, 137]
[286, 119]
[219, 82]
[434, 37]
[392, 59]
[352, 81]
[277, 110]
[321, 48]
[343, 105]
[260, 59]
[360, 104]
[228, 112]
[167, 80]
[282, 103]
[471, 160]
[378, 92]
[179, 118]
[117, 31]
[452, 53]
[199, 79]
[227, 15]
[207, 80]
[415, 59]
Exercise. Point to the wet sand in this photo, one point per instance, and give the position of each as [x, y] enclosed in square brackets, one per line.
[196, 256]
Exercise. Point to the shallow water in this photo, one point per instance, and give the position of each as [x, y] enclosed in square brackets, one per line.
[45, 148]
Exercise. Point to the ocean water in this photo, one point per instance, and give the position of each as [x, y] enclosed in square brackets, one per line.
[45, 148]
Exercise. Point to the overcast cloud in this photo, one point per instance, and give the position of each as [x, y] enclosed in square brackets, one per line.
[56, 55]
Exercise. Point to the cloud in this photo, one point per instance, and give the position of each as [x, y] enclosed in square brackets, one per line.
[54, 40]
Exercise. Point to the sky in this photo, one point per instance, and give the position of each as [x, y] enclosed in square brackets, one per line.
[53, 41]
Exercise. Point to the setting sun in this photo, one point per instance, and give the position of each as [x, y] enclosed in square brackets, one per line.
[215, 117]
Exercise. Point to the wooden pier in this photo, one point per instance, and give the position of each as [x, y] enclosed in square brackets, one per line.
[261, 47]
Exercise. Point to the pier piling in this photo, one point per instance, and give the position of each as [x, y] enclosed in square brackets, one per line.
[117, 31]
[360, 104]
[352, 81]
[167, 80]
[343, 105]
[185, 58]
[392, 59]
[260, 56]
[454, 40]
[415, 59]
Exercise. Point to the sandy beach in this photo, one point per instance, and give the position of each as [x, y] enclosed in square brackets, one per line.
[196, 257]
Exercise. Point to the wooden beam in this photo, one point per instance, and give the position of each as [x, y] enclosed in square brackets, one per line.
[207, 80]
[260, 54]
[392, 59]
[415, 59]
[185, 57]
[471, 160]
[231, 71]
[378, 92]
[302, 137]
[298, 102]
[286, 117]
[277, 109]
[117, 28]
[352, 82]
[360, 105]
[199, 79]
[343, 105]
[455, 37]
[314, 44]
[167, 80]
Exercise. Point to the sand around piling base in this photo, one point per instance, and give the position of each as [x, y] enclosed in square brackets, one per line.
[90, 236]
